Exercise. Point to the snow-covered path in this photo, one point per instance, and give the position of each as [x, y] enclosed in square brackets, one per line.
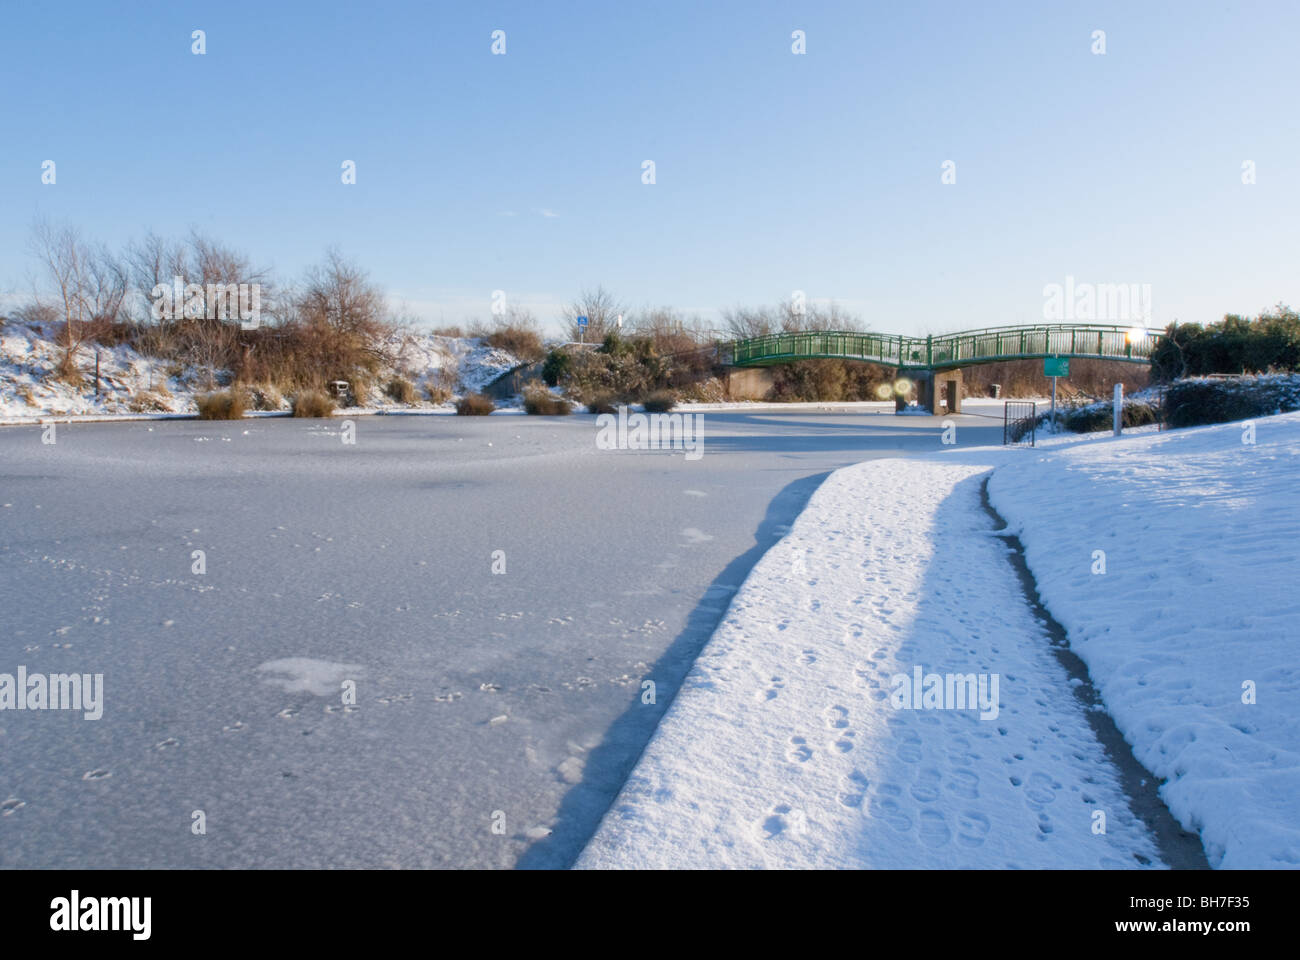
[784, 747]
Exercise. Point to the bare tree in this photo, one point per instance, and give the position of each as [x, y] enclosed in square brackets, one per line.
[154, 262]
[815, 317]
[344, 318]
[668, 330]
[67, 263]
[107, 282]
[339, 294]
[602, 310]
[787, 317]
[743, 323]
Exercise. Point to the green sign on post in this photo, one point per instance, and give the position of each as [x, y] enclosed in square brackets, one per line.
[1056, 366]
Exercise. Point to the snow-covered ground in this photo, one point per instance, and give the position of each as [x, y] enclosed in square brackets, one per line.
[786, 746]
[466, 363]
[28, 388]
[1196, 609]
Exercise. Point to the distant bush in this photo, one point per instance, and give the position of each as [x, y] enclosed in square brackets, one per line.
[222, 405]
[661, 401]
[828, 380]
[358, 391]
[518, 339]
[1100, 415]
[557, 367]
[541, 402]
[621, 368]
[312, 403]
[264, 396]
[1235, 345]
[474, 405]
[456, 332]
[601, 404]
[1190, 403]
[68, 372]
[401, 390]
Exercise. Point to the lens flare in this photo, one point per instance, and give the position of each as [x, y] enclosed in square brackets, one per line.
[902, 386]
[1136, 335]
[885, 391]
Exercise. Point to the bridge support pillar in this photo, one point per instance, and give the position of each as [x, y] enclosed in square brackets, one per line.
[749, 383]
[940, 391]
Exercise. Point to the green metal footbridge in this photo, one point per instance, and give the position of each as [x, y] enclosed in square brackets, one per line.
[947, 351]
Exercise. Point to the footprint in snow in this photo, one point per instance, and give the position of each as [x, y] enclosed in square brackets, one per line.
[965, 783]
[926, 787]
[783, 819]
[934, 829]
[910, 750]
[799, 751]
[853, 789]
[972, 828]
[1040, 789]
[885, 806]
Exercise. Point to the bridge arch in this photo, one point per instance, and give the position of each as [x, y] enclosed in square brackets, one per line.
[947, 351]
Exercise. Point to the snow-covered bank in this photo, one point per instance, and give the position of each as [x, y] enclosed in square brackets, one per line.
[135, 386]
[1196, 607]
[784, 747]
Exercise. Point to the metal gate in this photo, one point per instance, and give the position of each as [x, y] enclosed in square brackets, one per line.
[1019, 422]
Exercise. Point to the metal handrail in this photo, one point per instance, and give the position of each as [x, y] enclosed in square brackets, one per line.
[985, 345]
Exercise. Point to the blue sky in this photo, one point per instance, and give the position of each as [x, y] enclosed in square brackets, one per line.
[775, 172]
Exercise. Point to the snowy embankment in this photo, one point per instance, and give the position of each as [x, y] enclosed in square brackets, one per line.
[132, 385]
[785, 748]
[1195, 614]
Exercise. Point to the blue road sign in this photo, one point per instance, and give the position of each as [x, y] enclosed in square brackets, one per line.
[582, 321]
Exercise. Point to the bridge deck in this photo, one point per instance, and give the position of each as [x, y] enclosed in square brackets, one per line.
[966, 348]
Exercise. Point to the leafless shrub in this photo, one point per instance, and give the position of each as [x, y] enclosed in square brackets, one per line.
[516, 333]
[539, 401]
[474, 405]
[222, 405]
[401, 390]
[312, 403]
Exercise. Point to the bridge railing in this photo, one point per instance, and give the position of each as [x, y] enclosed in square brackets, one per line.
[883, 347]
[955, 349]
[1091, 340]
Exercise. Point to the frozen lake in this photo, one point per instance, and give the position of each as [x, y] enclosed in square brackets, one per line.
[508, 700]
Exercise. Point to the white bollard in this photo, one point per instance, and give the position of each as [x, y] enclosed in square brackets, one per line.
[1119, 408]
